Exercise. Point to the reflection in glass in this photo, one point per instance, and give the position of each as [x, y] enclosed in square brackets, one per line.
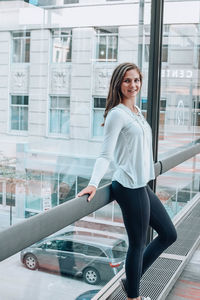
[179, 121]
[58, 98]
[178, 186]
[96, 257]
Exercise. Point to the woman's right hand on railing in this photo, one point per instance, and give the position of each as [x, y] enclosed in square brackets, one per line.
[90, 189]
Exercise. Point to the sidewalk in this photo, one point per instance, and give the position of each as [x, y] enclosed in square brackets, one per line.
[188, 284]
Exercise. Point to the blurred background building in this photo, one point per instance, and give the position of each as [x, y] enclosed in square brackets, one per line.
[56, 59]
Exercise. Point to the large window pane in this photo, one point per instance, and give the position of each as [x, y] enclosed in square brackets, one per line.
[179, 121]
[57, 72]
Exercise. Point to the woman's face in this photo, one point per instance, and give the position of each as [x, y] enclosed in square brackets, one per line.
[131, 84]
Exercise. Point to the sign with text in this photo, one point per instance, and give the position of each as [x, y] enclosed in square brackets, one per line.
[46, 197]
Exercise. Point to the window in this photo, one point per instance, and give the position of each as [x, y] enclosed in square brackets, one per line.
[107, 44]
[119, 250]
[94, 251]
[19, 113]
[62, 45]
[80, 248]
[53, 245]
[98, 112]
[21, 47]
[59, 115]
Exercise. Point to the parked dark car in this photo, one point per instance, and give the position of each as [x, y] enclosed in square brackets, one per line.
[94, 257]
[87, 295]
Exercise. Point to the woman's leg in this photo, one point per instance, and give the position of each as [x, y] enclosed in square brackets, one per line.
[161, 222]
[135, 207]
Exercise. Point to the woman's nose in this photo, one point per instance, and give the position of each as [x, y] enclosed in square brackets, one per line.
[132, 83]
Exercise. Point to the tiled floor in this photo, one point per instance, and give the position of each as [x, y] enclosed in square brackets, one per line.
[188, 284]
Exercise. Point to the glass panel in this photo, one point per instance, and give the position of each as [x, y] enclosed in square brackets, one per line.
[17, 50]
[102, 48]
[64, 122]
[178, 186]
[15, 123]
[54, 121]
[20, 100]
[179, 121]
[63, 102]
[54, 163]
[59, 117]
[21, 47]
[24, 118]
[97, 121]
[54, 101]
[112, 48]
[99, 102]
[27, 50]
[62, 49]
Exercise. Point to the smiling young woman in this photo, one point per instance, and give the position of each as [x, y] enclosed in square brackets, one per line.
[128, 139]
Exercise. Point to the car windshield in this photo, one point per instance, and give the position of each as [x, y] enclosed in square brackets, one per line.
[120, 249]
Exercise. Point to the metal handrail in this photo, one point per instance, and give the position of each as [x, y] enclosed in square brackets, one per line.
[32, 230]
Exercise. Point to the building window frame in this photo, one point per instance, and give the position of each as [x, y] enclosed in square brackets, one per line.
[56, 111]
[62, 56]
[110, 36]
[19, 110]
[21, 41]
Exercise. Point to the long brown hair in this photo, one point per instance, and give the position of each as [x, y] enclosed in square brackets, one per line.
[115, 94]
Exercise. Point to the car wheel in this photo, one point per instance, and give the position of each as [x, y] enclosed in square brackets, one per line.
[31, 262]
[91, 275]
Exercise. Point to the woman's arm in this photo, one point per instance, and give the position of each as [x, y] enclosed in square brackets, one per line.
[113, 125]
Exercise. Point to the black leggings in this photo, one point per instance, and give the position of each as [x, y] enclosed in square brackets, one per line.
[141, 208]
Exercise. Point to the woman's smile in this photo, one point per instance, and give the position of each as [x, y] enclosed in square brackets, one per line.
[131, 84]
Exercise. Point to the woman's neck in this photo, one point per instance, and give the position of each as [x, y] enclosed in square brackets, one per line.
[130, 103]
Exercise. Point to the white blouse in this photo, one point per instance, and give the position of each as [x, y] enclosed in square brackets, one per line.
[127, 140]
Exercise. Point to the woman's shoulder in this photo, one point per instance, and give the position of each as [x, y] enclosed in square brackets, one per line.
[117, 110]
[116, 114]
